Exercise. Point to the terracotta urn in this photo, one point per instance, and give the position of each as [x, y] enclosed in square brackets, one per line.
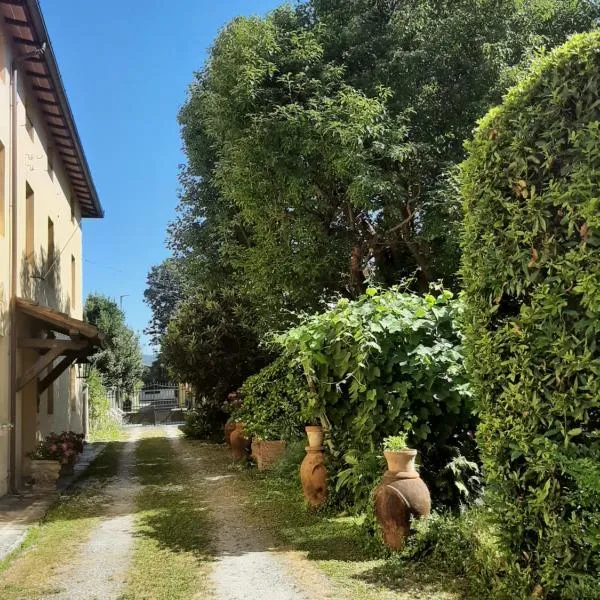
[402, 461]
[239, 443]
[45, 474]
[313, 475]
[400, 496]
[315, 435]
[229, 427]
[267, 453]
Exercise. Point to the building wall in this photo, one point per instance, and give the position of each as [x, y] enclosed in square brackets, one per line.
[38, 278]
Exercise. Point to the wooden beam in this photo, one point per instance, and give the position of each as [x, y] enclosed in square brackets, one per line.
[56, 372]
[49, 344]
[47, 102]
[45, 361]
[31, 73]
[40, 364]
[25, 41]
[16, 22]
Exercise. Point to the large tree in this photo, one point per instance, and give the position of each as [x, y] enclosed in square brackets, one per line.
[120, 362]
[321, 142]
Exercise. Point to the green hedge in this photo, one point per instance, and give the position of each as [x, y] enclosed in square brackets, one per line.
[272, 401]
[531, 270]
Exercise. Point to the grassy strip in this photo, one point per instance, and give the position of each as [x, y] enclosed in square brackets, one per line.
[337, 544]
[172, 548]
[48, 545]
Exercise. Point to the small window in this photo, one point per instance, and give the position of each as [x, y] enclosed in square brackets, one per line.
[29, 125]
[2, 192]
[50, 164]
[29, 225]
[72, 388]
[73, 282]
[50, 241]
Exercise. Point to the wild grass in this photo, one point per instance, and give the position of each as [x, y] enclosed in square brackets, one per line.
[172, 547]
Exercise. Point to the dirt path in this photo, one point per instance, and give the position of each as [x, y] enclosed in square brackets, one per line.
[99, 571]
[248, 565]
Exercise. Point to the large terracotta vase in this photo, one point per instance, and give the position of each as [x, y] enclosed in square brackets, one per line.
[239, 443]
[267, 453]
[45, 474]
[229, 427]
[400, 496]
[315, 435]
[313, 475]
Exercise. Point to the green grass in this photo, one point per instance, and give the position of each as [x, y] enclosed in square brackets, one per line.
[110, 431]
[26, 572]
[338, 546]
[172, 549]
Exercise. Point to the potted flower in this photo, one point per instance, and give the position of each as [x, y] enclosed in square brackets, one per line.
[45, 465]
[400, 458]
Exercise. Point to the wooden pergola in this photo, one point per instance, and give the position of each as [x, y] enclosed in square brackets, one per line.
[77, 342]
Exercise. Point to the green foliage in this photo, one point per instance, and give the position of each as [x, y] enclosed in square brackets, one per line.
[102, 424]
[390, 361]
[210, 345]
[120, 363]
[272, 401]
[396, 442]
[353, 477]
[205, 422]
[531, 273]
[163, 294]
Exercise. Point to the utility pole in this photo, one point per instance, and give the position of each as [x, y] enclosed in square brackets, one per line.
[121, 300]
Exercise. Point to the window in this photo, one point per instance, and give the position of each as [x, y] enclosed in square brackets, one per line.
[29, 125]
[29, 225]
[72, 201]
[50, 163]
[2, 192]
[50, 399]
[72, 388]
[73, 282]
[50, 241]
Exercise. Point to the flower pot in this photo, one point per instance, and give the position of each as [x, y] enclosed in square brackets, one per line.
[267, 453]
[314, 476]
[402, 463]
[229, 427]
[45, 474]
[315, 435]
[239, 443]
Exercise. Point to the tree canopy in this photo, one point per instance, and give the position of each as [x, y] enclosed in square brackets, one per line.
[120, 363]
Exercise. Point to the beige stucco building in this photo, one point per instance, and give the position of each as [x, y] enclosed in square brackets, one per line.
[45, 191]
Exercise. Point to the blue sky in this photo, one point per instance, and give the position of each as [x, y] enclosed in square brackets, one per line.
[126, 66]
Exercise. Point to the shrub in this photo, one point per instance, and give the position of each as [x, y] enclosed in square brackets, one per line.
[272, 401]
[103, 424]
[388, 362]
[531, 272]
[205, 422]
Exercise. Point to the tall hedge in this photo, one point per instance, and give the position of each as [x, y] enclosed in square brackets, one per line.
[531, 270]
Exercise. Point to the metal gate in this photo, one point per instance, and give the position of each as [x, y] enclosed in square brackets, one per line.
[156, 396]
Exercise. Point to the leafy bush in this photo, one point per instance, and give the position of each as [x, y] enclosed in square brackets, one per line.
[272, 401]
[205, 422]
[396, 442]
[531, 271]
[103, 424]
[387, 362]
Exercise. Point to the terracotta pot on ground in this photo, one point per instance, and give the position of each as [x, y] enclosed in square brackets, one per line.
[240, 444]
[45, 474]
[229, 427]
[315, 436]
[402, 494]
[313, 475]
[267, 453]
